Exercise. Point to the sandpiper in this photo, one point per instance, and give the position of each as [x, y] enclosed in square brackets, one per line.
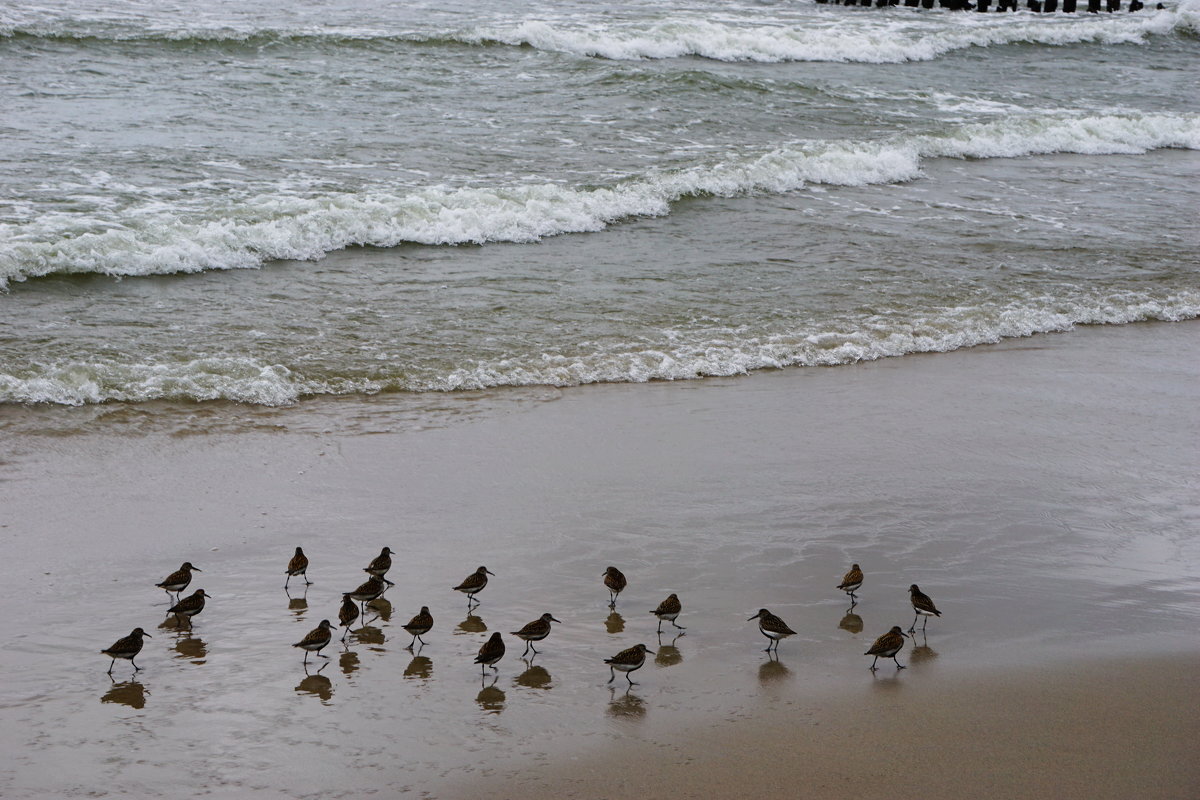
[178, 580]
[380, 565]
[368, 592]
[923, 606]
[474, 584]
[851, 581]
[887, 646]
[420, 624]
[189, 606]
[491, 652]
[297, 566]
[316, 639]
[668, 609]
[615, 581]
[772, 627]
[127, 648]
[347, 614]
[627, 661]
[535, 631]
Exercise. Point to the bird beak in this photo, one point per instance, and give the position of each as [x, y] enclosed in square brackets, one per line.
[754, 617]
[148, 636]
[489, 572]
[206, 594]
[552, 619]
[197, 569]
[652, 652]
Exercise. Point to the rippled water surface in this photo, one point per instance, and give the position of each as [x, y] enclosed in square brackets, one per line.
[325, 199]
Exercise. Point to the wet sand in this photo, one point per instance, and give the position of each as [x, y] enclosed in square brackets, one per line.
[1113, 729]
[1043, 491]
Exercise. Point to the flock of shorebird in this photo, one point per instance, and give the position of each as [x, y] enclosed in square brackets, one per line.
[354, 606]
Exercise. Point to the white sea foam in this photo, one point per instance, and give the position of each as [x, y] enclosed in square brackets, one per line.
[681, 355]
[881, 39]
[162, 240]
[804, 33]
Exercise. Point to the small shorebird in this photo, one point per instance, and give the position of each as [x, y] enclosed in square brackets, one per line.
[380, 565]
[347, 614]
[420, 624]
[368, 592]
[887, 646]
[297, 566]
[668, 609]
[536, 631]
[474, 584]
[772, 627]
[614, 579]
[178, 580]
[627, 661]
[127, 647]
[189, 606]
[491, 652]
[316, 639]
[851, 581]
[923, 606]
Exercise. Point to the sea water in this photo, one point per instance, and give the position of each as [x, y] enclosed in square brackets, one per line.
[267, 204]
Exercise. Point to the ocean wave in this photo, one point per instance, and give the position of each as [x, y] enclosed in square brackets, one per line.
[681, 355]
[154, 241]
[884, 38]
[892, 39]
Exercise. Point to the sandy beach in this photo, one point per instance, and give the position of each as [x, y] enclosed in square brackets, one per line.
[1043, 491]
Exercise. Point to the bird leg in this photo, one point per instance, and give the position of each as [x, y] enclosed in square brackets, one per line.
[899, 666]
[611, 675]
[873, 663]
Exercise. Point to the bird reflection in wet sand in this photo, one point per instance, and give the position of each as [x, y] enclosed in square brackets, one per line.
[348, 662]
[491, 698]
[626, 706]
[382, 608]
[472, 624]
[371, 635]
[922, 653]
[126, 693]
[316, 684]
[773, 670]
[191, 647]
[298, 605]
[615, 623]
[420, 667]
[851, 622]
[668, 655]
[535, 677]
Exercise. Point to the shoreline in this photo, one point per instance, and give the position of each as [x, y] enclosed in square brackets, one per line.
[1042, 491]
